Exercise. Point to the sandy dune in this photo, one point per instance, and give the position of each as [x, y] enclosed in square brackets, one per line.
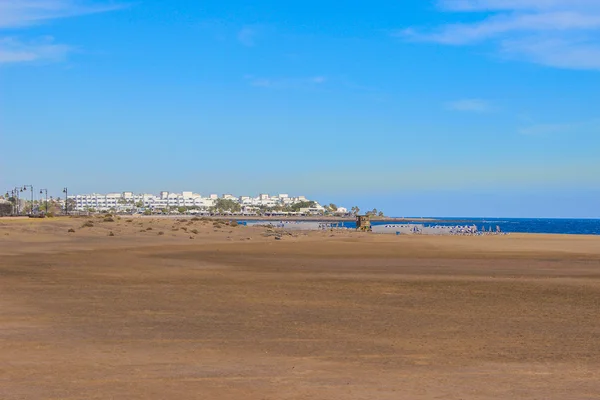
[221, 312]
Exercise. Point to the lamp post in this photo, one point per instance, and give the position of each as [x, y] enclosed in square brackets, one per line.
[24, 189]
[46, 191]
[66, 192]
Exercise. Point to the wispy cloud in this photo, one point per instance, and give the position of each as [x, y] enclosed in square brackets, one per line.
[560, 128]
[546, 129]
[44, 49]
[18, 13]
[558, 33]
[23, 13]
[286, 83]
[469, 105]
[247, 36]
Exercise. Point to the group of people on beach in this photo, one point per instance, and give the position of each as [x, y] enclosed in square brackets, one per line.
[472, 230]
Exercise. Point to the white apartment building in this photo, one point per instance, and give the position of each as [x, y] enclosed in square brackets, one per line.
[128, 201]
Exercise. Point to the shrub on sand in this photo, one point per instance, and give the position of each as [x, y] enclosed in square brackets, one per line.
[111, 234]
[88, 224]
[71, 230]
[161, 233]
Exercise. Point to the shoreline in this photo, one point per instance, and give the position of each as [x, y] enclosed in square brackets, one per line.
[9, 220]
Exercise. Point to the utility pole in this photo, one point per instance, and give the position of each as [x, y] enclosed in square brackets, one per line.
[24, 189]
[45, 190]
[66, 192]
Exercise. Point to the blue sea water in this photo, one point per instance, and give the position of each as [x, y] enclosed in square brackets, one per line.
[509, 225]
[526, 225]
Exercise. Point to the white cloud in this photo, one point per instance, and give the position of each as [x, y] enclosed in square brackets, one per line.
[545, 129]
[574, 127]
[469, 105]
[286, 83]
[318, 79]
[486, 5]
[247, 36]
[13, 50]
[22, 13]
[18, 13]
[559, 33]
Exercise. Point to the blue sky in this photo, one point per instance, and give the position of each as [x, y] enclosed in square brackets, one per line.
[449, 107]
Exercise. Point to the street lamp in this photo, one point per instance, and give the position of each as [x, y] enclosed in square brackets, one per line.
[24, 189]
[46, 191]
[66, 192]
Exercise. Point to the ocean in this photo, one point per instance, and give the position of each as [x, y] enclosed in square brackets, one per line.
[508, 225]
[525, 225]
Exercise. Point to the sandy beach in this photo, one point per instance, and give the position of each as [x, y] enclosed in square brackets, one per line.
[189, 309]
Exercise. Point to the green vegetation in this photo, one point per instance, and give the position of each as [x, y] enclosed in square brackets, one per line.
[375, 213]
[303, 204]
[71, 204]
[226, 205]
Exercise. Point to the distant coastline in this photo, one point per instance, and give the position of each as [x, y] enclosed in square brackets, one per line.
[294, 218]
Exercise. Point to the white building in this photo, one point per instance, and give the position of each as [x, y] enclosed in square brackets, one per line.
[130, 201]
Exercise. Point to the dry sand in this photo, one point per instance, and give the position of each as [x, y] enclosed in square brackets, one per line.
[226, 313]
